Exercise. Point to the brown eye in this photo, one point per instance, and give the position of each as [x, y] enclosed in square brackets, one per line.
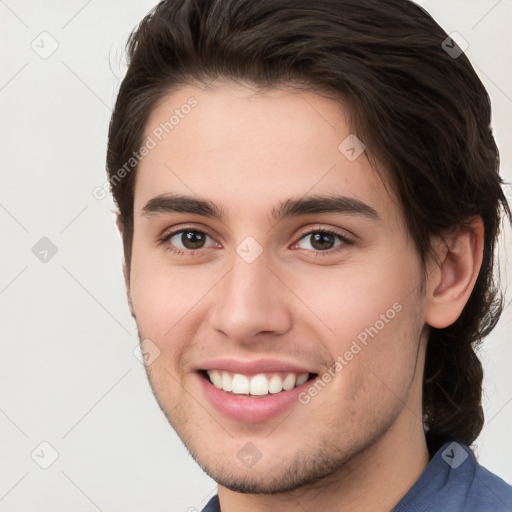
[188, 239]
[192, 239]
[322, 241]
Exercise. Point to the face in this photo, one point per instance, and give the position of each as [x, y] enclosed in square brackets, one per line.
[253, 283]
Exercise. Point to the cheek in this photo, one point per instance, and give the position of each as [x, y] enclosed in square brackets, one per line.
[161, 293]
[168, 304]
[373, 315]
[360, 296]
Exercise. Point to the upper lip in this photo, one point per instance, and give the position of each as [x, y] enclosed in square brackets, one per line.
[253, 367]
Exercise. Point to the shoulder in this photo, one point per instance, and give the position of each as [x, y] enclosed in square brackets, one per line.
[212, 505]
[489, 492]
[454, 481]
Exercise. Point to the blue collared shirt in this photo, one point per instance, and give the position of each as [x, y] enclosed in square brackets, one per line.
[453, 481]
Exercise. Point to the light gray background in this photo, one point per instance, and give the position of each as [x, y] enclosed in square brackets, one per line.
[68, 373]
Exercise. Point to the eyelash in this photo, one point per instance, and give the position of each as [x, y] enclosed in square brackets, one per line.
[345, 241]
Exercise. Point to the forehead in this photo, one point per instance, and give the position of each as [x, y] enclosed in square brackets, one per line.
[248, 150]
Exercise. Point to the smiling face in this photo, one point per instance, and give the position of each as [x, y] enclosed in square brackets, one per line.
[240, 268]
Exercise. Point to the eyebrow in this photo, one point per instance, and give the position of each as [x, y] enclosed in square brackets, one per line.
[313, 204]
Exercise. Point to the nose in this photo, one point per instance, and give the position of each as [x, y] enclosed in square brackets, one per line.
[250, 301]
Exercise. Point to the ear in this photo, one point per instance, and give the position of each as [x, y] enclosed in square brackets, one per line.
[452, 278]
[120, 227]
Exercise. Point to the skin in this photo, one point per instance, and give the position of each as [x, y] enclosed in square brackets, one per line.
[358, 444]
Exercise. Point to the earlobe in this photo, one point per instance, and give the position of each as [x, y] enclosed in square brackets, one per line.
[452, 280]
[130, 305]
[127, 284]
[119, 224]
[120, 227]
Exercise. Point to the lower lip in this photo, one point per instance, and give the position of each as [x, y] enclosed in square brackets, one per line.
[248, 409]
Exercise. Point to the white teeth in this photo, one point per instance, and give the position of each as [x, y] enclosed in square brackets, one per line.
[227, 382]
[303, 377]
[216, 379]
[289, 382]
[275, 384]
[258, 385]
[240, 384]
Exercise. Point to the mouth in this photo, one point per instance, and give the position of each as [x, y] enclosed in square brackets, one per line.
[259, 385]
[252, 397]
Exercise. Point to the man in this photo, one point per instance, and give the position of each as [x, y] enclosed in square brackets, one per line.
[309, 201]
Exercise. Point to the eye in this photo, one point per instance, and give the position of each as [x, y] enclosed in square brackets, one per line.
[323, 241]
[187, 240]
